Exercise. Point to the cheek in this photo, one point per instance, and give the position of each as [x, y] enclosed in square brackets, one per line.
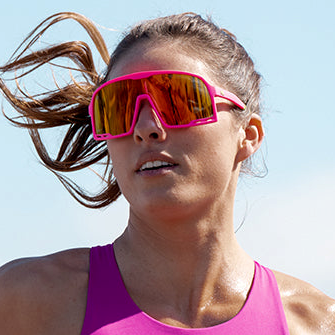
[221, 143]
[219, 155]
[111, 150]
[116, 153]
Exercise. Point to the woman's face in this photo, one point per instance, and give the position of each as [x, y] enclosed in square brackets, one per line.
[196, 166]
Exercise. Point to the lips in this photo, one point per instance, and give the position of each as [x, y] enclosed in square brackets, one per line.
[154, 165]
[152, 161]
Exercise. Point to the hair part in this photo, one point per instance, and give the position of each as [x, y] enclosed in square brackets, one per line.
[67, 106]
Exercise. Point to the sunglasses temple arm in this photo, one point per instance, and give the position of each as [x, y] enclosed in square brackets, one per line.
[221, 93]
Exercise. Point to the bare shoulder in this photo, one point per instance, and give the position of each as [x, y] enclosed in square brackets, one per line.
[308, 310]
[44, 295]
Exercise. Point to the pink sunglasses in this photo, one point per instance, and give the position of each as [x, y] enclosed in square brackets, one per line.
[179, 99]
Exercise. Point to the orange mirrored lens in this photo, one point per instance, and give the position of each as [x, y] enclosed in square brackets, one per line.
[114, 107]
[178, 98]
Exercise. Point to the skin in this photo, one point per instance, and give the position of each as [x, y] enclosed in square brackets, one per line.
[180, 225]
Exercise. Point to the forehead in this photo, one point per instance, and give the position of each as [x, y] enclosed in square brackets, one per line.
[161, 56]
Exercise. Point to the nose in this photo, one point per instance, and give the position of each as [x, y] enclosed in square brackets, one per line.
[148, 127]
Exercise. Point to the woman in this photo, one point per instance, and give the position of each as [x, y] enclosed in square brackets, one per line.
[177, 112]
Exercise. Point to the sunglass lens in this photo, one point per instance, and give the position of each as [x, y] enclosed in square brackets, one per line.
[180, 98]
[114, 107]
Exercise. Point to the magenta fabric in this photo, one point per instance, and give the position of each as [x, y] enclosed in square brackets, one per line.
[111, 311]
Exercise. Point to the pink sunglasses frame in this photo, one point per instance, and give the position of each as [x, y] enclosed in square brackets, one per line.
[213, 91]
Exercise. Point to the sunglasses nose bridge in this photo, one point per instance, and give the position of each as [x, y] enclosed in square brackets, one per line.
[139, 105]
[147, 123]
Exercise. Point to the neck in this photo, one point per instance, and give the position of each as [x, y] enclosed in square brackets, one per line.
[196, 262]
[189, 234]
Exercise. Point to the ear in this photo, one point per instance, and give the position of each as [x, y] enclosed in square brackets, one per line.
[251, 138]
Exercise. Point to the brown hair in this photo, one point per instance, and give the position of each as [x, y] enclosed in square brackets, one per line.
[68, 105]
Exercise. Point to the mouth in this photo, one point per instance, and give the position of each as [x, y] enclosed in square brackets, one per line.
[154, 165]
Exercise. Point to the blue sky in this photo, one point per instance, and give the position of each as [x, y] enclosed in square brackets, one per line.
[289, 223]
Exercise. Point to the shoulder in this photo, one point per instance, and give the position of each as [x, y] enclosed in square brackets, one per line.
[308, 310]
[37, 295]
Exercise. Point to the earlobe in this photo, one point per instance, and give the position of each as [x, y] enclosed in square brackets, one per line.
[252, 138]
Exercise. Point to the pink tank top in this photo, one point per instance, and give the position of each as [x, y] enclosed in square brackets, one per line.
[111, 311]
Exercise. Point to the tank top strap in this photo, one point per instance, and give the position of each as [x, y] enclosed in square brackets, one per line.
[264, 305]
[107, 299]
